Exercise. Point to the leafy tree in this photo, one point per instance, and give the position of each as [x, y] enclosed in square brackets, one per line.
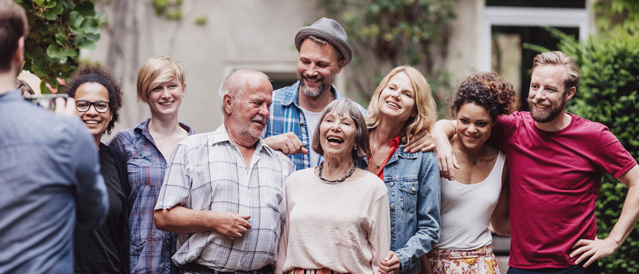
[58, 30]
[622, 14]
[388, 33]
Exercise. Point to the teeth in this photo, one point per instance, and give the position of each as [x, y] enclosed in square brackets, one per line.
[166, 103]
[541, 106]
[334, 139]
[393, 105]
[91, 122]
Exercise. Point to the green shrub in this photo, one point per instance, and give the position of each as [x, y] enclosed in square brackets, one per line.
[58, 30]
[608, 93]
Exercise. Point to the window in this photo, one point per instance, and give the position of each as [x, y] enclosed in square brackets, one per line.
[507, 25]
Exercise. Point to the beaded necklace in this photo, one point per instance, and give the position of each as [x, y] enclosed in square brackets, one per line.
[337, 180]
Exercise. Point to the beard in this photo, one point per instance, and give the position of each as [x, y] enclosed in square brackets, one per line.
[254, 132]
[313, 92]
[545, 117]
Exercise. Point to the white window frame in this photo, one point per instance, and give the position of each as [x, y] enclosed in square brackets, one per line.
[528, 17]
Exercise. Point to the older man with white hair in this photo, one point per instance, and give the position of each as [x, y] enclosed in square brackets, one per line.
[223, 191]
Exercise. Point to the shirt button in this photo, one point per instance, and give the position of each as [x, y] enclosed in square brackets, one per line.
[392, 184]
[392, 206]
[413, 188]
[301, 123]
[392, 230]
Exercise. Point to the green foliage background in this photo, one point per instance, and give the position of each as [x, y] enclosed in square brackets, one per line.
[396, 32]
[58, 29]
[608, 93]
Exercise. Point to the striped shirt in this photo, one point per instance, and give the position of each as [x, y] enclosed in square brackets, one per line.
[286, 116]
[151, 248]
[207, 172]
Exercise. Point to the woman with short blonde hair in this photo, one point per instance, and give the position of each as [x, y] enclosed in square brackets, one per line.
[147, 148]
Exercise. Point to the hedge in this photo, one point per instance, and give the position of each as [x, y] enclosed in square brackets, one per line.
[608, 93]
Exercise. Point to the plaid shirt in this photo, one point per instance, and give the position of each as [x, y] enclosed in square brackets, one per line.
[207, 172]
[287, 116]
[151, 248]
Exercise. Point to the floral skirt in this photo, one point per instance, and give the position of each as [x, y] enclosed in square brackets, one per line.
[478, 261]
[314, 271]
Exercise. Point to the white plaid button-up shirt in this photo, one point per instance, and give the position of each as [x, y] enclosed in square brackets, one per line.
[207, 172]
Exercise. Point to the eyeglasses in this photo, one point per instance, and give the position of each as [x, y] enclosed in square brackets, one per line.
[84, 106]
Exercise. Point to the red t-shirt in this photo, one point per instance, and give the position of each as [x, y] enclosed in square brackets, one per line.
[554, 179]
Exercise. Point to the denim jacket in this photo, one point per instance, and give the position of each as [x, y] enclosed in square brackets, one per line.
[414, 193]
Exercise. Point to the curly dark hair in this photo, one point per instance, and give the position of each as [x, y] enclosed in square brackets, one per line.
[95, 73]
[487, 90]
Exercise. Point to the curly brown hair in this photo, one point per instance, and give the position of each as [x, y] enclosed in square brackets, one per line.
[487, 90]
[95, 73]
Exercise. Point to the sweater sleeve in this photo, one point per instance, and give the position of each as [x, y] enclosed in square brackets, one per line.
[379, 236]
[282, 248]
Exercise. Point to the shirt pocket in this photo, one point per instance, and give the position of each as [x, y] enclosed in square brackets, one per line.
[408, 192]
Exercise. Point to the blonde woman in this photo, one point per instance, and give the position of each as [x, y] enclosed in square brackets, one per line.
[146, 147]
[402, 106]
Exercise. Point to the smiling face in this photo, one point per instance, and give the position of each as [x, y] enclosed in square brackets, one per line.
[248, 113]
[548, 96]
[337, 135]
[317, 66]
[397, 99]
[166, 97]
[96, 122]
[473, 125]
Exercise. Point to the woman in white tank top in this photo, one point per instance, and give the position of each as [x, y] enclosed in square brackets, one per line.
[477, 195]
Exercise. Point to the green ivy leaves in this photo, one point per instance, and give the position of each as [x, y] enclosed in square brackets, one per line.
[58, 30]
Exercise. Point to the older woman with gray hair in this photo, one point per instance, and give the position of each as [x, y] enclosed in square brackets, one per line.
[337, 214]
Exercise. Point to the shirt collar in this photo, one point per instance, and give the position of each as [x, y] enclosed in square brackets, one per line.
[11, 95]
[143, 129]
[220, 135]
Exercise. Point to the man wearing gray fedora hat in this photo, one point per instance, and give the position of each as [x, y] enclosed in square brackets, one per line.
[296, 109]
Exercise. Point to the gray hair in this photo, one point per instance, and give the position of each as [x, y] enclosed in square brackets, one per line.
[234, 84]
[344, 107]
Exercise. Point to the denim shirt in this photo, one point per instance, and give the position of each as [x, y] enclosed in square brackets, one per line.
[414, 194]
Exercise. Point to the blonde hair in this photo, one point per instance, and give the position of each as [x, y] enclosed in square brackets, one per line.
[424, 103]
[157, 70]
[559, 58]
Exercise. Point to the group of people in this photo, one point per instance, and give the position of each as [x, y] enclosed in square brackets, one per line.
[301, 179]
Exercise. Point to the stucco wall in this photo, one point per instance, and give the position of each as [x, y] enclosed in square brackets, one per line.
[254, 34]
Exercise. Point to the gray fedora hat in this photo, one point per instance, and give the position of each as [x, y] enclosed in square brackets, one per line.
[329, 30]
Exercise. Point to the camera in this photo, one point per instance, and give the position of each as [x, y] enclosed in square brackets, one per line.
[46, 101]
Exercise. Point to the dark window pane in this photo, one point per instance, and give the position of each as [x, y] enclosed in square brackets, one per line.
[280, 80]
[581, 4]
[531, 35]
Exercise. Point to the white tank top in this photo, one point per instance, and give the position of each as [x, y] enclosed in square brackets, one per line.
[466, 210]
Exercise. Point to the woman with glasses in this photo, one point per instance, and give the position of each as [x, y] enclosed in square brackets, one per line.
[147, 148]
[97, 101]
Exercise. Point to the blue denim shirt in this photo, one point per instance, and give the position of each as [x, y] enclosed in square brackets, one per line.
[50, 185]
[414, 193]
